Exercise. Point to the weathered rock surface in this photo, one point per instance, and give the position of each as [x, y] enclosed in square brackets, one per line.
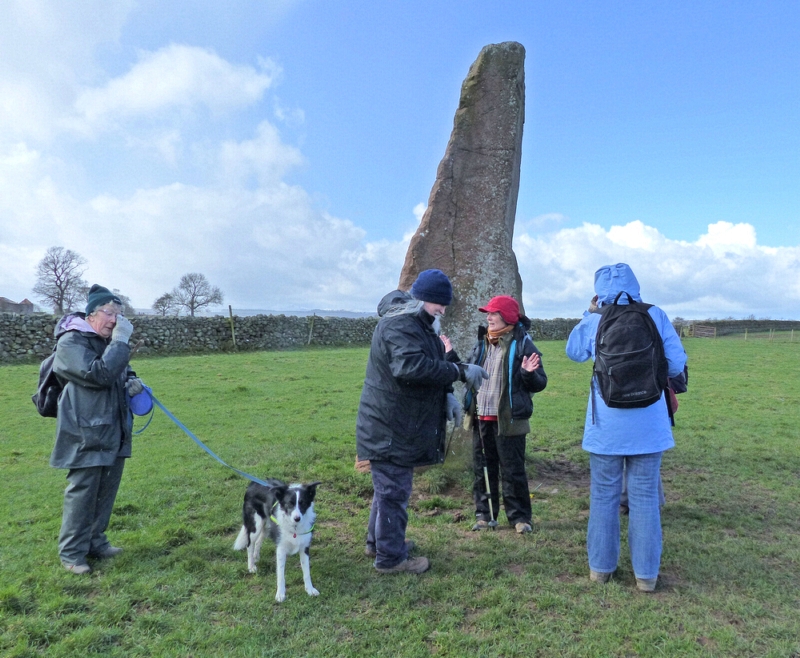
[468, 227]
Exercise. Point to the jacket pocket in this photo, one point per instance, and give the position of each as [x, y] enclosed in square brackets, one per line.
[97, 434]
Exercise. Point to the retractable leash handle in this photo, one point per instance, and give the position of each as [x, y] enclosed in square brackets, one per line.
[141, 404]
[188, 432]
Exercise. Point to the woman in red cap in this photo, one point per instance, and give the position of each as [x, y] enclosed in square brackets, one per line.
[500, 413]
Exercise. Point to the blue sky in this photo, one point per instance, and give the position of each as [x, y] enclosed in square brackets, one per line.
[286, 148]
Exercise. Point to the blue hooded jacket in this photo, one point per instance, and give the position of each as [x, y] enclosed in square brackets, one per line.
[624, 431]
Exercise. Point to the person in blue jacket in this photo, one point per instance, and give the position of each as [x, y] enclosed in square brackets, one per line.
[633, 439]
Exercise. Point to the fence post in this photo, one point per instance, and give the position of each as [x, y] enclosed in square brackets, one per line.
[311, 328]
[233, 329]
[745, 333]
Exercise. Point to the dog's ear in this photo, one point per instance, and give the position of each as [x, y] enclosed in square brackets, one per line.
[312, 488]
[279, 491]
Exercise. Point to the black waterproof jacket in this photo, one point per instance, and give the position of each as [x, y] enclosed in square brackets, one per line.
[518, 385]
[401, 416]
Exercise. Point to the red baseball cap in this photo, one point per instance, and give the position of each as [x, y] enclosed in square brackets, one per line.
[506, 306]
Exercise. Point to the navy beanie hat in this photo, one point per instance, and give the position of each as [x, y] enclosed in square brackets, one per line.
[99, 296]
[433, 286]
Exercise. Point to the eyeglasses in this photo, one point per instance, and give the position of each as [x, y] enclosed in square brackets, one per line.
[108, 312]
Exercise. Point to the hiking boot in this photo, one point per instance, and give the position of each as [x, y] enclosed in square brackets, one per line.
[409, 565]
[646, 584]
[77, 568]
[523, 528]
[600, 577]
[109, 551]
[369, 551]
[480, 524]
[624, 510]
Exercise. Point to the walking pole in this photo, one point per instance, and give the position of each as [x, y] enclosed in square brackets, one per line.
[493, 523]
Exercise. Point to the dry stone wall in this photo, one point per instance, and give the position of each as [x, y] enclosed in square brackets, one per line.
[30, 337]
[25, 338]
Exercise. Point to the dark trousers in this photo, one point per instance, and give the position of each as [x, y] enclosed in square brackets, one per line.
[88, 501]
[388, 517]
[500, 454]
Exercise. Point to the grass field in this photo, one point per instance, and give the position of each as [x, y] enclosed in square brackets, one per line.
[730, 577]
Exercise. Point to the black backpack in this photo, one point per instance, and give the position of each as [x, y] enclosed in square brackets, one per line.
[630, 366]
[49, 390]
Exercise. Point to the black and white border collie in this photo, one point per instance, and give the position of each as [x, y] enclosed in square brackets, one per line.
[287, 513]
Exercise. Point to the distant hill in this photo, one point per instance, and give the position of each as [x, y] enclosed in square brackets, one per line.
[246, 312]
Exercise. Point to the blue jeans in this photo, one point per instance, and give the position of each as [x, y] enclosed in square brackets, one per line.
[644, 521]
[388, 517]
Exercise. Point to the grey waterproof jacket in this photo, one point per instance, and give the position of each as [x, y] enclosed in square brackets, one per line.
[401, 416]
[93, 427]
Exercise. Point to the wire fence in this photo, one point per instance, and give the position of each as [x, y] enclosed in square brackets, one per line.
[771, 335]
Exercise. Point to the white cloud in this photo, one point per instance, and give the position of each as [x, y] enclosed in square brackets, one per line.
[175, 77]
[724, 237]
[265, 158]
[46, 53]
[723, 273]
[266, 247]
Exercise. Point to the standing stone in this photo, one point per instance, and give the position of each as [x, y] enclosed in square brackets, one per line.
[468, 227]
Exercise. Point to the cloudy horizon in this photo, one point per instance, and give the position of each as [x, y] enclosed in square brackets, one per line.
[154, 154]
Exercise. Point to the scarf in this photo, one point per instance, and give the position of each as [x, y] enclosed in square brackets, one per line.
[494, 336]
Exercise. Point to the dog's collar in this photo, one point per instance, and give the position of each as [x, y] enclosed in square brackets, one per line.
[275, 521]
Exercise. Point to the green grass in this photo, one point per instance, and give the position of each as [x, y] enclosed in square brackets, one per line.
[730, 582]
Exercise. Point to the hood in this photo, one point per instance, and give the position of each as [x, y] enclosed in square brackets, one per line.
[392, 300]
[72, 322]
[610, 280]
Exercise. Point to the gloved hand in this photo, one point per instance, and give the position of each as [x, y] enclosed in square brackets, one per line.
[134, 386]
[472, 375]
[453, 411]
[122, 330]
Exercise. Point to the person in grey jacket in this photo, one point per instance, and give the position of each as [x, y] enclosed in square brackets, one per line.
[405, 404]
[93, 427]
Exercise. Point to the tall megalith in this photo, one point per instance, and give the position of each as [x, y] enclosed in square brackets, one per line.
[468, 227]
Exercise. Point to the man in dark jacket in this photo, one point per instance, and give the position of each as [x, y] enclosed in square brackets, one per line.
[93, 429]
[406, 402]
[501, 413]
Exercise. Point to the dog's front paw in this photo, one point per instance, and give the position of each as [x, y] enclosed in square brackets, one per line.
[312, 591]
[280, 597]
[252, 569]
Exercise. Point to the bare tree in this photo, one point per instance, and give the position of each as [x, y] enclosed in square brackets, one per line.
[166, 304]
[194, 292]
[58, 279]
[127, 308]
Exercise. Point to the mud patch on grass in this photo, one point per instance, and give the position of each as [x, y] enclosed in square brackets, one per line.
[549, 474]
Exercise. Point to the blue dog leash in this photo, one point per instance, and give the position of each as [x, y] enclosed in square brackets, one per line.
[203, 445]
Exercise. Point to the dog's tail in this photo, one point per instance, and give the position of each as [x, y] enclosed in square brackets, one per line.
[242, 540]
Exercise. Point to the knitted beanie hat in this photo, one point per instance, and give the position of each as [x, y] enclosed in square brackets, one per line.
[99, 296]
[506, 306]
[433, 286]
